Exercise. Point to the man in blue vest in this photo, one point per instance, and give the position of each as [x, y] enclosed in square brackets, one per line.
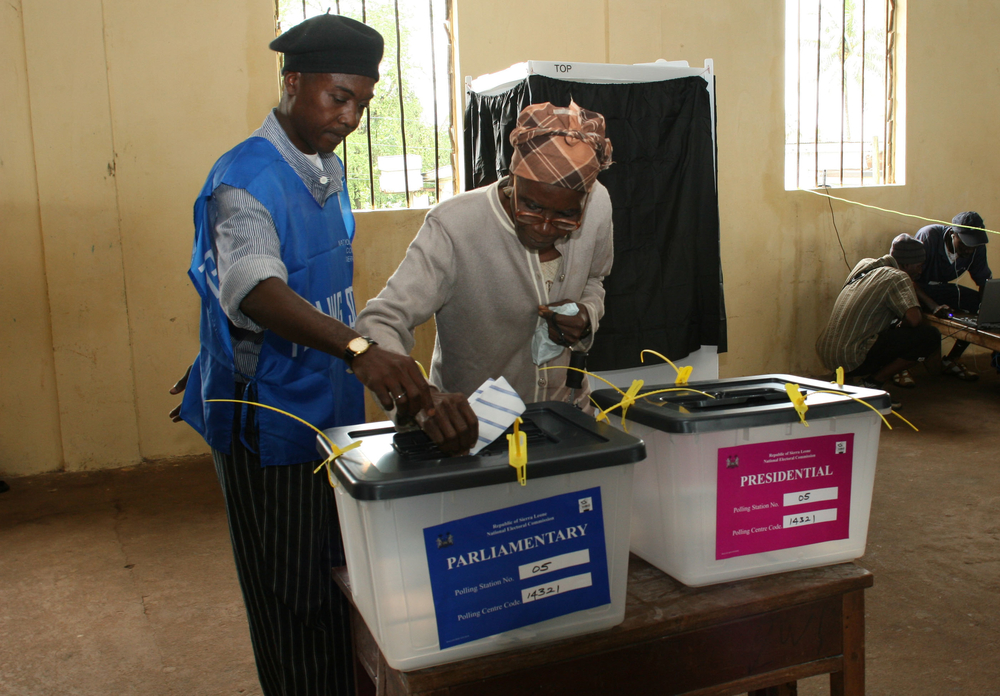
[273, 265]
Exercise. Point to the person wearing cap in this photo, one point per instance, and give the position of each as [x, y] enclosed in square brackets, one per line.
[951, 251]
[273, 266]
[495, 264]
[876, 328]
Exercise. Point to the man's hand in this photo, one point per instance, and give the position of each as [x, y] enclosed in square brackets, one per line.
[179, 386]
[563, 330]
[942, 311]
[452, 425]
[395, 380]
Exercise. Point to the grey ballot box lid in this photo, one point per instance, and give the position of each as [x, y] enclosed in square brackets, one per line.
[742, 402]
[388, 465]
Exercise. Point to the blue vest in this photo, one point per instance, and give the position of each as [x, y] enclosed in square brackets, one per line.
[316, 250]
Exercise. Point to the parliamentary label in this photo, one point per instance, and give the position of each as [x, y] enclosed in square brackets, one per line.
[517, 566]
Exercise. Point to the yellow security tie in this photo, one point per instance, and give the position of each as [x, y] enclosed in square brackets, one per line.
[336, 451]
[798, 401]
[517, 452]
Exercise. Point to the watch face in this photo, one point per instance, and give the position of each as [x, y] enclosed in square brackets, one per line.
[358, 345]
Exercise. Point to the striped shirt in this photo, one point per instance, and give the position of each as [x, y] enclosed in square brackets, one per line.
[876, 294]
[247, 248]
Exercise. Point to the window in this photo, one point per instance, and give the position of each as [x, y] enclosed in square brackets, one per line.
[403, 153]
[842, 93]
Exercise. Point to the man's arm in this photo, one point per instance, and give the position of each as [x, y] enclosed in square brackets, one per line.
[979, 269]
[394, 379]
[901, 298]
[255, 295]
[938, 310]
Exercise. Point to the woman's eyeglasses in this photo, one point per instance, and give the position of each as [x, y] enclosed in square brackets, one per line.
[528, 218]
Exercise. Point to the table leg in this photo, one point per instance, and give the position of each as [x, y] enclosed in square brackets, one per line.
[851, 681]
[363, 683]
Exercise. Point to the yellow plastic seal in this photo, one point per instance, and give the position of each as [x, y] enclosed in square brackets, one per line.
[336, 452]
[632, 395]
[628, 398]
[517, 452]
[798, 401]
[683, 373]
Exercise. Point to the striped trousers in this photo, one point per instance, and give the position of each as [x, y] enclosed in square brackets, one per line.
[286, 538]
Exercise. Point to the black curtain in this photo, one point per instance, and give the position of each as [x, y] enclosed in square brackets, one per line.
[665, 290]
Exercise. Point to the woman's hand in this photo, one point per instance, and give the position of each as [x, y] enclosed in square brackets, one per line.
[452, 425]
[564, 330]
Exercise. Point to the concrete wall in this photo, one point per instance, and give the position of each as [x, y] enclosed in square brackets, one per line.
[112, 113]
[114, 110]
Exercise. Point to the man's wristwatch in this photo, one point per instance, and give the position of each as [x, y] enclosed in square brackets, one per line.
[356, 346]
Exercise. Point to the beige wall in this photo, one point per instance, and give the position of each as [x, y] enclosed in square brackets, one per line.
[780, 256]
[29, 405]
[112, 114]
[380, 243]
[114, 110]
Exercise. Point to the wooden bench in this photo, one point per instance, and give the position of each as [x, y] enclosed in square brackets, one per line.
[759, 636]
[950, 328]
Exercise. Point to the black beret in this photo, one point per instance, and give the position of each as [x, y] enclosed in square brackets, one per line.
[331, 43]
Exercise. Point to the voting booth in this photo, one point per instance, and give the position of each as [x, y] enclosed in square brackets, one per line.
[736, 486]
[451, 557]
[665, 291]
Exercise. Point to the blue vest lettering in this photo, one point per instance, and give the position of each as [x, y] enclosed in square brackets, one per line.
[316, 249]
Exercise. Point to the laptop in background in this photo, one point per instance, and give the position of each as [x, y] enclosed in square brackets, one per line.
[988, 318]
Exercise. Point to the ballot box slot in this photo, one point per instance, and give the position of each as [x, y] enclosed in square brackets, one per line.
[417, 446]
[717, 400]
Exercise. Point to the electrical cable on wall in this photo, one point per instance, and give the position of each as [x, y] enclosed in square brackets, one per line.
[896, 212]
[829, 199]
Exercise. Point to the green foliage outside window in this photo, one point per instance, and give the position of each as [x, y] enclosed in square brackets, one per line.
[383, 119]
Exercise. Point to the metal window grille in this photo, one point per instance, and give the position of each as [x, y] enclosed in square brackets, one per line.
[840, 93]
[404, 152]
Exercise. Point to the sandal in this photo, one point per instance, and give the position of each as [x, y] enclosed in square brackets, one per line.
[869, 383]
[957, 369]
[904, 380]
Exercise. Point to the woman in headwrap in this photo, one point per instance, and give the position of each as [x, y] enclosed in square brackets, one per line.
[499, 264]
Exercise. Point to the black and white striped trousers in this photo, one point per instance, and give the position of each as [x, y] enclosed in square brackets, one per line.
[286, 538]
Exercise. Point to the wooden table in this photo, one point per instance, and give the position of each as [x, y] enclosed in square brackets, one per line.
[758, 636]
[960, 332]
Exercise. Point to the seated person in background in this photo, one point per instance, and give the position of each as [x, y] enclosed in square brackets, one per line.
[951, 251]
[489, 264]
[876, 329]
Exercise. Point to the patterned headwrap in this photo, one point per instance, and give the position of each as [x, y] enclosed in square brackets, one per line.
[562, 146]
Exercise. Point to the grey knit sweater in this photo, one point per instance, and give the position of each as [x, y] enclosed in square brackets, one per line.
[467, 269]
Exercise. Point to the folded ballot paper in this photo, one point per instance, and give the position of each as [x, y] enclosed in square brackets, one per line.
[496, 405]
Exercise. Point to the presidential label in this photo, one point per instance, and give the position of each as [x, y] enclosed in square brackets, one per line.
[517, 566]
[779, 495]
